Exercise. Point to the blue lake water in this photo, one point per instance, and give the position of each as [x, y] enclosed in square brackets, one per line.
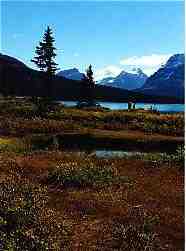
[122, 106]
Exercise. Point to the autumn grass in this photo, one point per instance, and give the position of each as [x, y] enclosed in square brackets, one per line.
[90, 171]
[20, 116]
[92, 202]
[36, 143]
[172, 159]
[13, 145]
[117, 120]
[25, 221]
[54, 200]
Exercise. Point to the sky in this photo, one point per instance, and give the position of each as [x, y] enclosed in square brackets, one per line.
[111, 35]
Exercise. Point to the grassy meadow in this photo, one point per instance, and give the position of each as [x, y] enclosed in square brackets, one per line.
[56, 196]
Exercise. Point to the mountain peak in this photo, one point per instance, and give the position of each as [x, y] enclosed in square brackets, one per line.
[137, 71]
[175, 60]
[126, 80]
[122, 73]
[72, 73]
[168, 80]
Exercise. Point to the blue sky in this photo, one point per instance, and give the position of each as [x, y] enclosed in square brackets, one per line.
[112, 36]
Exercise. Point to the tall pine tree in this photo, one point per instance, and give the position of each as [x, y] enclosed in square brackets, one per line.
[45, 58]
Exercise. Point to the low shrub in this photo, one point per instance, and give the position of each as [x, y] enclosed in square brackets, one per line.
[25, 221]
[74, 174]
[37, 125]
[19, 211]
[69, 176]
[177, 158]
[135, 232]
[135, 236]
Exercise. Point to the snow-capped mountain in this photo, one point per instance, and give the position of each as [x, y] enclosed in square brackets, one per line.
[175, 60]
[19, 80]
[73, 74]
[126, 80]
[168, 80]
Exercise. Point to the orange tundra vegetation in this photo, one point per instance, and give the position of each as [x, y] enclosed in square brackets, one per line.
[140, 199]
[54, 199]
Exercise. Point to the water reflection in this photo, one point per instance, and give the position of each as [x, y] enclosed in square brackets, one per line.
[108, 154]
[117, 154]
[101, 148]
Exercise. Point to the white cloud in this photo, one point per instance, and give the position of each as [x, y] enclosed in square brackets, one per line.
[76, 54]
[150, 61]
[108, 71]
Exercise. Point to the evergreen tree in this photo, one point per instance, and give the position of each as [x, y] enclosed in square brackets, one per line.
[88, 89]
[91, 85]
[45, 61]
[89, 76]
[45, 53]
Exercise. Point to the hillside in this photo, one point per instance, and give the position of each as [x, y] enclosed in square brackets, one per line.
[20, 80]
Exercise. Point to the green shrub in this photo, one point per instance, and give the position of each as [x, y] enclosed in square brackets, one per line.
[135, 236]
[81, 177]
[19, 211]
[12, 146]
[73, 175]
[149, 127]
[179, 156]
[25, 221]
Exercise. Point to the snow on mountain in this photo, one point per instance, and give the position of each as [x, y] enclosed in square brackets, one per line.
[126, 80]
[175, 61]
[168, 80]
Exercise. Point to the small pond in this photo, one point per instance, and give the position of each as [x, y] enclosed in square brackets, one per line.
[101, 149]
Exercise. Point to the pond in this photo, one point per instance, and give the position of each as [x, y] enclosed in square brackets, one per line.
[104, 149]
[171, 108]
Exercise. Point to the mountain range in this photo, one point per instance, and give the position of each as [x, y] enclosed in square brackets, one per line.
[18, 79]
[167, 81]
[126, 80]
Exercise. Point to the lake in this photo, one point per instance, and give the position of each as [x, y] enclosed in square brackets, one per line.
[172, 108]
